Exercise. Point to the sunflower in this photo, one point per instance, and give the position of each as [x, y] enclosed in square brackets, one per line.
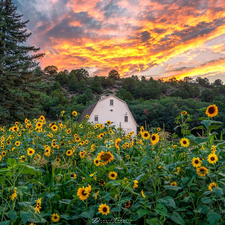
[173, 184]
[154, 139]
[212, 158]
[73, 176]
[17, 143]
[212, 111]
[196, 162]
[87, 116]
[83, 193]
[58, 160]
[127, 157]
[141, 129]
[54, 128]
[0, 158]
[102, 182]
[74, 113]
[103, 209]
[127, 205]
[38, 206]
[135, 184]
[69, 152]
[212, 185]
[106, 157]
[97, 162]
[112, 175]
[82, 154]
[22, 158]
[142, 193]
[42, 118]
[145, 135]
[55, 217]
[3, 153]
[202, 171]
[158, 128]
[30, 151]
[184, 113]
[108, 122]
[38, 124]
[117, 142]
[184, 142]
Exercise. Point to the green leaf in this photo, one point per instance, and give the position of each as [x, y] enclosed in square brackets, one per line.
[36, 182]
[206, 200]
[174, 188]
[142, 212]
[161, 210]
[36, 218]
[21, 190]
[7, 222]
[66, 217]
[214, 127]
[218, 191]
[115, 209]
[26, 169]
[168, 201]
[25, 216]
[206, 123]
[12, 214]
[88, 215]
[203, 109]
[153, 221]
[202, 209]
[213, 217]
[177, 218]
[11, 162]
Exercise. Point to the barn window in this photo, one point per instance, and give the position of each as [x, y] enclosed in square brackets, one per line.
[96, 118]
[126, 119]
[111, 101]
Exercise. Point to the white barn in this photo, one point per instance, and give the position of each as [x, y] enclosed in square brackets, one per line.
[111, 108]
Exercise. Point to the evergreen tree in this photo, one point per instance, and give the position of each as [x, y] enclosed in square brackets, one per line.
[17, 81]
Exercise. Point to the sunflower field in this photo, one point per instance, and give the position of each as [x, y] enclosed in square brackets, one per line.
[66, 172]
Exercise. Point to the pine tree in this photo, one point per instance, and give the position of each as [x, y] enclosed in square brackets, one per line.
[18, 94]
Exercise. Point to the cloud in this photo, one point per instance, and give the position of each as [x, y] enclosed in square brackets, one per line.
[129, 35]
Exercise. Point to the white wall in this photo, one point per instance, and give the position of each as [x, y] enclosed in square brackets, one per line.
[102, 109]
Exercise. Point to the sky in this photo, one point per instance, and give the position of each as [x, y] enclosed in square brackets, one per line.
[152, 38]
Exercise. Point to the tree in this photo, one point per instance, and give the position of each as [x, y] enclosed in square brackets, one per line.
[114, 74]
[19, 97]
[187, 79]
[62, 78]
[81, 74]
[56, 85]
[51, 70]
[218, 82]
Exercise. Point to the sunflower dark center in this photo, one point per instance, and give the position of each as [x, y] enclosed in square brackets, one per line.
[211, 110]
[55, 217]
[145, 134]
[184, 142]
[153, 137]
[113, 175]
[83, 193]
[202, 170]
[104, 209]
[30, 152]
[196, 161]
[105, 157]
[212, 158]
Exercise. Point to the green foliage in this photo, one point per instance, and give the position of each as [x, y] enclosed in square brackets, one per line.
[18, 73]
[51, 70]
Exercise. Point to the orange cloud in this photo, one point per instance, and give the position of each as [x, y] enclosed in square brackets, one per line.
[132, 36]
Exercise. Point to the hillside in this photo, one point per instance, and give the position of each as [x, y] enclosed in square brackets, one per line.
[152, 102]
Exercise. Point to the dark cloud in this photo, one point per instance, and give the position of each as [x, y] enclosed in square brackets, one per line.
[145, 36]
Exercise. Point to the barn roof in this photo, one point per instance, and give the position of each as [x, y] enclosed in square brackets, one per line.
[87, 111]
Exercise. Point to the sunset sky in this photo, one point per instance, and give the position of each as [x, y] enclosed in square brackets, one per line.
[158, 38]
